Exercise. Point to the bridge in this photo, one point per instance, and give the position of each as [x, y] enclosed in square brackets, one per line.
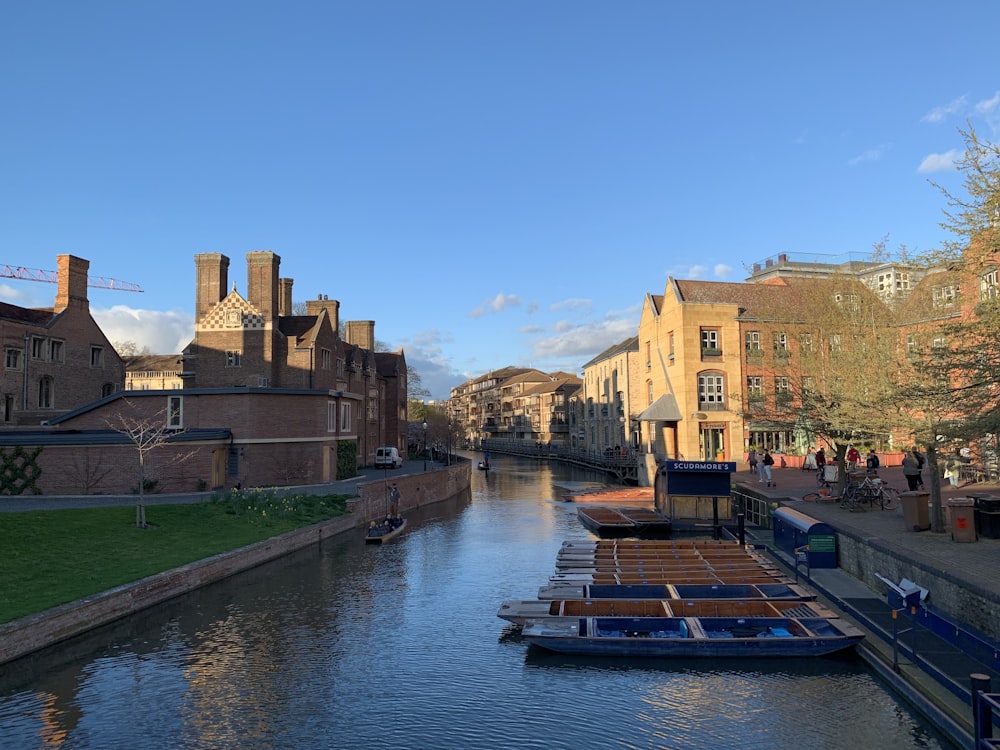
[622, 463]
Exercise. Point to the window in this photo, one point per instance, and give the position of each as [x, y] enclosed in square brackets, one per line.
[331, 416]
[649, 358]
[670, 346]
[835, 344]
[97, 356]
[8, 407]
[710, 341]
[57, 351]
[806, 342]
[175, 412]
[755, 388]
[37, 348]
[781, 345]
[649, 393]
[939, 342]
[782, 391]
[107, 389]
[808, 385]
[850, 302]
[345, 417]
[12, 359]
[341, 367]
[46, 397]
[988, 285]
[233, 358]
[944, 296]
[710, 392]
[325, 359]
[753, 342]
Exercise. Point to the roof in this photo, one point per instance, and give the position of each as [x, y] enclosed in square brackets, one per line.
[104, 437]
[664, 409]
[628, 345]
[35, 317]
[153, 363]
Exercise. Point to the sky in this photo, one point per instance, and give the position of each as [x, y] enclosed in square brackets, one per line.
[493, 182]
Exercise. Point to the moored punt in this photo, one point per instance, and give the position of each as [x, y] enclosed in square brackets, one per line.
[656, 576]
[520, 610]
[780, 591]
[728, 637]
[606, 522]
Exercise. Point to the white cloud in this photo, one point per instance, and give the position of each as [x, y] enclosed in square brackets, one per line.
[940, 114]
[160, 332]
[986, 106]
[872, 154]
[722, 270]
[497, 304]
[939, 162]
[572, 304]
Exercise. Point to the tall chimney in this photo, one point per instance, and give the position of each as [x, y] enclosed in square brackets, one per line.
[212, 277]
[285, 298]
[72, 278]
[262, 282]
[361, 333]
[332, 307]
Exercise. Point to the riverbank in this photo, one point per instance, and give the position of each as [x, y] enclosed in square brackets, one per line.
[417, 489]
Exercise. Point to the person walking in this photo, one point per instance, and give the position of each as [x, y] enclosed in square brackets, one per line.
[951, 471]
[872, 463]
[911, 470]
[767, 462]
[809, 462]
[920, 465]
[853, 457]
[760, 466]
[752, 460]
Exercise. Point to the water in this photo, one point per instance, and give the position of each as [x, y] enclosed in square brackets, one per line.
[348, 645]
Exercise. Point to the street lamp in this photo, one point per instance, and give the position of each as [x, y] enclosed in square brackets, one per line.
[425, 445]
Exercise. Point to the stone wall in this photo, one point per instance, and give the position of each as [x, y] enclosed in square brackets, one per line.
[863, 558]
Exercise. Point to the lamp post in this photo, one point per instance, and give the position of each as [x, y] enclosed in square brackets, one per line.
[425, 445]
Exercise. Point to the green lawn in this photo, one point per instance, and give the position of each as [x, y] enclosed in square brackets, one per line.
[49, 558]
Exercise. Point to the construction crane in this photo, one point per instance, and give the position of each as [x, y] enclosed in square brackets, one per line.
[35, 274]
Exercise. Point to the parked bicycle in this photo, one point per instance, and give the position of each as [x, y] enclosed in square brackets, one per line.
[870, 491]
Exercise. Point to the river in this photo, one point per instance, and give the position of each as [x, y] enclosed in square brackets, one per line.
[346, 645]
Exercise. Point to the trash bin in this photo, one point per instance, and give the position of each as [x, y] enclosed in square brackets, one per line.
[962, 514]
[987, 514]
[916, 515]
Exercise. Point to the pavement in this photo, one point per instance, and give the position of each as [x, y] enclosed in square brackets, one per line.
[935, 675]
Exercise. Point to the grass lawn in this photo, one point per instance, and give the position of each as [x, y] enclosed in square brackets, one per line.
[52, 557]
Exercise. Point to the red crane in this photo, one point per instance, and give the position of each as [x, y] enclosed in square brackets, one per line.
[35, 274]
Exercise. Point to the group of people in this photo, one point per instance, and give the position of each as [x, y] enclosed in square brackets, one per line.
[760, 464]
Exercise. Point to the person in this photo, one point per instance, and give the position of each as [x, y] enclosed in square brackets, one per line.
[853, 456]
[393, 501]
[911, 470]
[760, 466]
[920, 466]
[809, 463]
[872, 463]
[951, 472]
[752, 460]
[965, 455]
[767, 462]
[820, 460]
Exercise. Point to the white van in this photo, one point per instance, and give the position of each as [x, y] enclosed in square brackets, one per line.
[388, 457]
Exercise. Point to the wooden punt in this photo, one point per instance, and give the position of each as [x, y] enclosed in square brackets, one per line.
[771, 591]
[382, 532]
[518, 611]
[720, 637]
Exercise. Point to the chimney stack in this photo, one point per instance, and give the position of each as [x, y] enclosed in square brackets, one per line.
[262, 282]
[361, 333]
[285, 298]
[72, 278]
[212, 278]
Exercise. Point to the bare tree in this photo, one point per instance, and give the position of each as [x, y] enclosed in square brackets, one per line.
[146, 435]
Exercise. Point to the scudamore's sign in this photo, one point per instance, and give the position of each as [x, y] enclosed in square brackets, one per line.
[699, 478]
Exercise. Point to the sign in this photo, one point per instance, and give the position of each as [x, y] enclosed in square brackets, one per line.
[699, 478]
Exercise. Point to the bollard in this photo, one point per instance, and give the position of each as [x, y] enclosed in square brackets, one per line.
[982, 714]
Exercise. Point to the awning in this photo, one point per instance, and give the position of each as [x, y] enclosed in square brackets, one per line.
[664, 409]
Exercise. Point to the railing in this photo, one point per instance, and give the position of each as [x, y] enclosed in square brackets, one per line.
[756, 510]
[623, 463]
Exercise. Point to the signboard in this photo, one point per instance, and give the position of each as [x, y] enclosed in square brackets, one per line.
[699, 478]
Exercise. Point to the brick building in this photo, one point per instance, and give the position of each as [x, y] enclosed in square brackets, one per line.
[55, 359]
[268, 398]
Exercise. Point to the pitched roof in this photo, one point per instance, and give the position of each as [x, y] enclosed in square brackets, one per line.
[31, 316]
[153, 363]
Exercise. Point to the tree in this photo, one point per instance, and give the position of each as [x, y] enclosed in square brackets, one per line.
[146, 435]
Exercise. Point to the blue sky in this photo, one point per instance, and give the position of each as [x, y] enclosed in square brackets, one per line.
[493, 183]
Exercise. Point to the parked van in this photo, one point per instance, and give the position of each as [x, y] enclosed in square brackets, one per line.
[388, 457]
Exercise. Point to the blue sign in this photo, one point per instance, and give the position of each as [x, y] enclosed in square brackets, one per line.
[699, 478]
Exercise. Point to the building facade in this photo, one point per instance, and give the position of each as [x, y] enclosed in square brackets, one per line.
[55, 359]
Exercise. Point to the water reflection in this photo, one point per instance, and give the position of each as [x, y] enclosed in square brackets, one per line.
[347, 645]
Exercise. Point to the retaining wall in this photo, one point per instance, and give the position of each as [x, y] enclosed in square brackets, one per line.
[28, 634]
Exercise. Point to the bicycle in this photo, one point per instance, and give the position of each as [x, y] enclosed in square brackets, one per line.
[820, 496]
[870, 490]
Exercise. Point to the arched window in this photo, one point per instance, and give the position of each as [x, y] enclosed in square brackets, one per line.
[711, 391]
[46, 393]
